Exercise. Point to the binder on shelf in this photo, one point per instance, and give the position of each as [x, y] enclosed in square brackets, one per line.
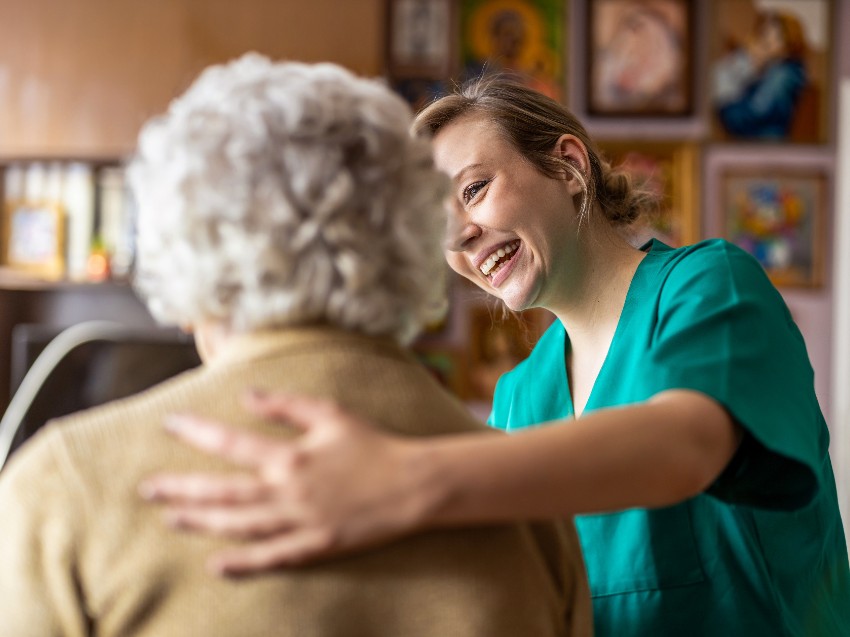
[78, 199]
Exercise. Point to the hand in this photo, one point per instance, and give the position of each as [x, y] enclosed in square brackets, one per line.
[340, 486]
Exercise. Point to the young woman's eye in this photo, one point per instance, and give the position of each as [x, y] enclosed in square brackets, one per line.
[471, 190]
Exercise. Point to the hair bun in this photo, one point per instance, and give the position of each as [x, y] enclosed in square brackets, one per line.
[621, 198]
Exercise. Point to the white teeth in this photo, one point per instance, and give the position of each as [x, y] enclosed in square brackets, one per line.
[491, 261]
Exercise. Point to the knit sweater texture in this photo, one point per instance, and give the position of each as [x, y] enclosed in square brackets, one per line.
[82, 555]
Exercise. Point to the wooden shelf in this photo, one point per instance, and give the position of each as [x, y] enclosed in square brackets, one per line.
[16, 280]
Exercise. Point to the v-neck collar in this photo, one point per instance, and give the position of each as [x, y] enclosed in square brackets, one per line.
[642, 273]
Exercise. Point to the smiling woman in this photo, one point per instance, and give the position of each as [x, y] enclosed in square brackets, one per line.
[684, 432]
[505, 159]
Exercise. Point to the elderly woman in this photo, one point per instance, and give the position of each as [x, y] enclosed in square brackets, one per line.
[287, 218]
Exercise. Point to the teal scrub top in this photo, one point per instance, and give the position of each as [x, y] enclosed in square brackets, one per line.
[762, 551]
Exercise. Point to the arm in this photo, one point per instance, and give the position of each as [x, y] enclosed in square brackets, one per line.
[344, 486]
[648, 455]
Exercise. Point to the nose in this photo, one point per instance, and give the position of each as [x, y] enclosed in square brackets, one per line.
[461, 232]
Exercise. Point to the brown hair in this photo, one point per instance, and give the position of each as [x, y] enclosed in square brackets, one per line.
[532, 123]
[792, 32]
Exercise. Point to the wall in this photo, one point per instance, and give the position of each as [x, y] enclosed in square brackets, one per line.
[79, 77]
[840, 449]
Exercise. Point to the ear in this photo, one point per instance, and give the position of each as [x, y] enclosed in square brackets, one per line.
[571, 150]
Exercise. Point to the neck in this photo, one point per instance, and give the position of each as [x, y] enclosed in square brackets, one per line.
[210, 337]
[591, 310]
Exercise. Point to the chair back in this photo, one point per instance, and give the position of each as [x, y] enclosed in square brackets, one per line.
[57, 372]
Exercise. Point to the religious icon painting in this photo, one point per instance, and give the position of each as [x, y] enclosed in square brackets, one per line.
[640, 57]
[770, 75]
[524, 39]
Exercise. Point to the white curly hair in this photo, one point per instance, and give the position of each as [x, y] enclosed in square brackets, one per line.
[275, 194]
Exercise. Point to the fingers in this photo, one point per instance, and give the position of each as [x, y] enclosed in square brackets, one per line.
[248, 449]
[300, 411]
[201, 488]
[241, 523]
[236, 446]
[293, 549]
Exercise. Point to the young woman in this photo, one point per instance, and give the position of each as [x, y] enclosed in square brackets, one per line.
[682, 424]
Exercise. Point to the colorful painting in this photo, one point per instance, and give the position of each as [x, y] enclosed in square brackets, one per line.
[519, 38]
[770, 69]
[669, 171]
[779, 219]
[640, 55]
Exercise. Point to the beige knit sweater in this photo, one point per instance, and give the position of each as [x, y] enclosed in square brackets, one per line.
[81, 554]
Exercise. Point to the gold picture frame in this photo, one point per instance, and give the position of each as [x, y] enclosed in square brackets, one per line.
[671, 170]
[497, 343]
[35, 238]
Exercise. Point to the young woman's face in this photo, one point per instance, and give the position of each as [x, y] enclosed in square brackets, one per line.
[512, 229]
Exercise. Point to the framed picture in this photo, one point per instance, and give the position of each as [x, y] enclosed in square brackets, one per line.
[519, 38]
[420, 36]
[670, 171]
[497, 344]
[779, 216]
[769, 70]
[640, 57]
[35, 238]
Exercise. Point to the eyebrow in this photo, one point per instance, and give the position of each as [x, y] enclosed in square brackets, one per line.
[465, 170]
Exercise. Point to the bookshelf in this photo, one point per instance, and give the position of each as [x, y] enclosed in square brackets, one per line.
[56, 214]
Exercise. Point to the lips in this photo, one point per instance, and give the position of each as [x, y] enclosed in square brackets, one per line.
[497, 258]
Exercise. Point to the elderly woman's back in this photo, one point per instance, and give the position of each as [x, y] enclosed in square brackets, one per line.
[287, 217]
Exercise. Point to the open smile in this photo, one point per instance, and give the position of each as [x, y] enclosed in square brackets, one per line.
[498, 259]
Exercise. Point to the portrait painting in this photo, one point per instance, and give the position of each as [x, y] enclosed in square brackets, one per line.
[669, 170]
[640, 57]
[770, 70]
[519, 38]
[779, 218]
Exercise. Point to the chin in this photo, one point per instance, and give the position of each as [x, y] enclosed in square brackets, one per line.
[516, 303]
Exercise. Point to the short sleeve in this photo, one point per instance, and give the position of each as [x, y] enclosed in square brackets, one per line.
[39, 591]
[722, 329]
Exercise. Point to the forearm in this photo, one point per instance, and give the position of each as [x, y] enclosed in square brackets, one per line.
[343, 485]
[649, 455]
